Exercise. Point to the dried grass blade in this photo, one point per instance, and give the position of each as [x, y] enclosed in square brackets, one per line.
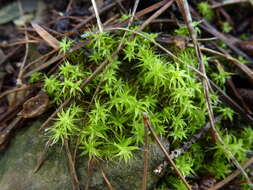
[52, 41]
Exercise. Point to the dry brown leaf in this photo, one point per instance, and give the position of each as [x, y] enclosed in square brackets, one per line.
[52, 41]
[35, 106]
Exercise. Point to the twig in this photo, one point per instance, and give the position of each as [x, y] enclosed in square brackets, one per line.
[45, 65]
[106, 179]
[42, 158]
[133, 13]
[228, 2]
[212, 30]
[145, 158]
[40, 59]
[89, 173]
[18, 42]
[72, 169]
[69, 5]
[110, 6]
[237, 63]
[10, 54]
[232, 103]
[231, 176]
[186, 146]
[231, 85]
[156, 14]
[121, 6]
[21, 88]
[97, 15]
[185, 6]
[66, 102]
[144, 12]
[148, 125]
[54, 59]
[192, 140]
[86, 114]
[20, 74]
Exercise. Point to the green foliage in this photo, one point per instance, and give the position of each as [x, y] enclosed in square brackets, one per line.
[65, 45]
[226, 27]
[124, 17]
[242, 60]
[66, 83]
[65, 124]
[91, 148]
[247, 137]
[124, 148]
[35, 77]
[220, 77]
[102, 45]
[52, 85]
[219, 168]
[176, 183]
[139, 80]
[161, 187]
[205, 10]
[226, 113]
[184, 164]
[235, 145]
[183, 30]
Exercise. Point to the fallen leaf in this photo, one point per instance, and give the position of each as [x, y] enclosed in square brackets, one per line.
[52, 41]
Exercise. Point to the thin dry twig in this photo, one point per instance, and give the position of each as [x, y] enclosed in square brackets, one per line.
[42, 158]
[212, 30]
[185, 7]
[148, 125]
[228, 2]
[18, 42]
[108, 183]
[20, 74]
[145, 158]
[100, 27]
[39, 59]
[54, 59]
[71, 2]
[186, 146]
[89, 173]
[44, 65]
[110, 6]
[71, 165]
[133, 13]
[156, 14]
[144, 12]
[9, 54]
[237, 63]
[231, 176]
[21, 88]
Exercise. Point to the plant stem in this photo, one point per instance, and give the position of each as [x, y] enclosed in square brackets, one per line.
[148, 125]
[186, 12]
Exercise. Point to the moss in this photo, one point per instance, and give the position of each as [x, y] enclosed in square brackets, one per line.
[140, 79]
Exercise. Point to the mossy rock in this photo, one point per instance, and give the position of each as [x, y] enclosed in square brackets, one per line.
[17, 166]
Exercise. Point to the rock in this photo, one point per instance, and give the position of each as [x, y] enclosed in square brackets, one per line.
[18, 162]
[20, 159]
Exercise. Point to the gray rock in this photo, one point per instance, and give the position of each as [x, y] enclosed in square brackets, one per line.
[20, 159]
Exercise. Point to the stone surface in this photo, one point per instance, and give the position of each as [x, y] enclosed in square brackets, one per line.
[19, 161]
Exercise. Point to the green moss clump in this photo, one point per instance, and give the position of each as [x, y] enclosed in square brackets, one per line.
[140, 79]
[205, 10]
